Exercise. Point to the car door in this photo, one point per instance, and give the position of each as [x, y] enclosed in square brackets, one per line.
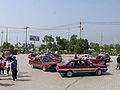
[39, 65]
[35, 62]
[86, 67]
[74, 66]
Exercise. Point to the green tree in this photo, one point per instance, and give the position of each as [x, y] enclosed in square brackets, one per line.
[95, 46]
[106, 48]
[62, 44]
[72, 43]
[81, 46]
[117, 47]
[48, 40]
[7, 45]
[54, 47]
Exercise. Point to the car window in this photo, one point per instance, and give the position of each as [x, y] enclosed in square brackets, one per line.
[45, 60]
[77, 63]
[37, 59]
[85, 63]
[74, 63]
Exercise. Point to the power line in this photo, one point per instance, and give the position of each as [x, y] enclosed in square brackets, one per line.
[10, 27]
[65, 26]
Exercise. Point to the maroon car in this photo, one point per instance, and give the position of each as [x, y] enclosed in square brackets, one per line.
[80, 67]
[97, 60]
[43, 63]
[55, 57]
[6, 55]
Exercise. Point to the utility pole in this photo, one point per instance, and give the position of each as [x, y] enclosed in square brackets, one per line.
[26, 48]
[101, 38]
[1, 38]
[6, 35]
[81, 28]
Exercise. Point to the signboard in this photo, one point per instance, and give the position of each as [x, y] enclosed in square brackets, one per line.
[34, 38]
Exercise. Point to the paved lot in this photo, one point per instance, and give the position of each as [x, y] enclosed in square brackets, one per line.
[36, 79]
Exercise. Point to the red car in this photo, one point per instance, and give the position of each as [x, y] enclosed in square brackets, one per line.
[97, 60]
[6, 55]
[43, 63]
[80, 67]
[55, 57]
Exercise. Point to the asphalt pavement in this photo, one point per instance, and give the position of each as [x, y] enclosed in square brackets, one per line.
[36, 79]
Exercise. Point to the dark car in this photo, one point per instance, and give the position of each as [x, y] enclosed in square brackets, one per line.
[80, 67]
[43, 63]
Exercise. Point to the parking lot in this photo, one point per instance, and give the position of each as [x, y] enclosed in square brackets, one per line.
[36, 79]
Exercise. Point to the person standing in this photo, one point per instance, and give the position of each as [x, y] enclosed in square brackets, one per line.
[118, 62]
[14, 68]
[1, 65]
[8, 66]
[75, 57]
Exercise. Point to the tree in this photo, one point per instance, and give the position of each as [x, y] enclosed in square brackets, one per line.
[106, 48]
[62, 44]
[43, 46]
[72, 43]
[117, 47]
[54, 47]
[48, 40]
[7, 45]
[81, 46]
[95, 46]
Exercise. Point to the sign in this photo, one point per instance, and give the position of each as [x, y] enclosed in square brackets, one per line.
[34, 38]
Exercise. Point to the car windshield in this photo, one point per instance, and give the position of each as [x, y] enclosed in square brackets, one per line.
[7, 53]
[45, 60]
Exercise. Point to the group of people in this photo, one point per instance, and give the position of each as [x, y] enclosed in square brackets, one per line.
[9, 64]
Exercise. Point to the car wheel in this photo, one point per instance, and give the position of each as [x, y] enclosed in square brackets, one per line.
[69, 73]
[32, 65]
[44, 68]
[98, 72]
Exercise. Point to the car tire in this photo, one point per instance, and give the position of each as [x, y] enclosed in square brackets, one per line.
[98, 72]
[44, 68]
[32, 65]
[69, 73]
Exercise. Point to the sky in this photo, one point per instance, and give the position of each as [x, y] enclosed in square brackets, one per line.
[52, 13]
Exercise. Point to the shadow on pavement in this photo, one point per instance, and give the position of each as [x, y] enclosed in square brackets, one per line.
[23, 80]
[106, 73]
[7, 79]
[87, 75]
[20, 76]
[6, 84]
[23, 74]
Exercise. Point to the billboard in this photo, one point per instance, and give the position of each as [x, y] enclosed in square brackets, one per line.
[34, 38]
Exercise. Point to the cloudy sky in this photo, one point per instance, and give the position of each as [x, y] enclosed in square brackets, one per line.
[99, 18]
